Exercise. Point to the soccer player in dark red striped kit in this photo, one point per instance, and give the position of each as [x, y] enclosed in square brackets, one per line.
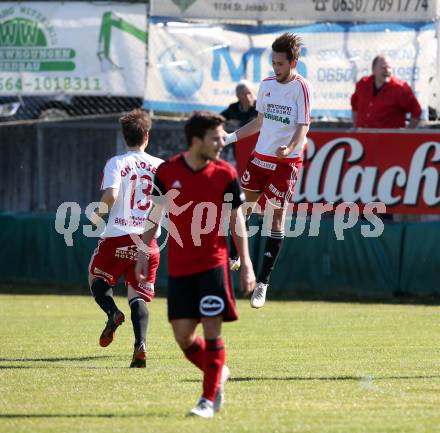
[201, 192]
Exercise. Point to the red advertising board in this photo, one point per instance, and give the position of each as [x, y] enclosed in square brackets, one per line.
[397, 168]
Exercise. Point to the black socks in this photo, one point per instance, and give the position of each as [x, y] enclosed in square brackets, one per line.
[139, 318]
[271, 252]
[103, 295]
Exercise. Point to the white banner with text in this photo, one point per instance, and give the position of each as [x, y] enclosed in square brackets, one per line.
[72, 48]
[197, 66]
[298, 10]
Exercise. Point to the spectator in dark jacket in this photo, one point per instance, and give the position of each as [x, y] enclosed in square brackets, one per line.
[241, 112]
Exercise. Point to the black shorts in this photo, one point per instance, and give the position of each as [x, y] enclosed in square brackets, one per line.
[205, 294]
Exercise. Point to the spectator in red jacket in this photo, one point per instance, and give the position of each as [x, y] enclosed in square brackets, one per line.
[382, 101]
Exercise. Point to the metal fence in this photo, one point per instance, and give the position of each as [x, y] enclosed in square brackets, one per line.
[46, 163]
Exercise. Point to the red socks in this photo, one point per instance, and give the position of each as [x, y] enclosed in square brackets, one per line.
[208, 356]
[214, 362]
[196, 352]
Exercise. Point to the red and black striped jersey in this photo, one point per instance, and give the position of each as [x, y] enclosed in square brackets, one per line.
[198, 205]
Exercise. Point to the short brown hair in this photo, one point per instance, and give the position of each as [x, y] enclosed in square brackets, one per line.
[135, 124]
[200, 122]
[290, 44]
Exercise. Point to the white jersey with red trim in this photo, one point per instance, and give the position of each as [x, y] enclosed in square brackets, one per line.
[283, 106]
[132, 174]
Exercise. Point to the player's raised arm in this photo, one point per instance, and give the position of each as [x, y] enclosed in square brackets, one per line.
[250, 128]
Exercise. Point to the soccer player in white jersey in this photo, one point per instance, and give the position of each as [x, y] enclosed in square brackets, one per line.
[284, 106]
[127, 184]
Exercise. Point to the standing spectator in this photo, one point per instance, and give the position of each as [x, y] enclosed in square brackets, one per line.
[127, 183]
[196, 187]
[243, 111]
[382, 101]
[237, 115]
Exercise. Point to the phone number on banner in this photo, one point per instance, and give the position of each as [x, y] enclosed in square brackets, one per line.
[331, 75]
[366, 6]
[50, 84]
[251, 6]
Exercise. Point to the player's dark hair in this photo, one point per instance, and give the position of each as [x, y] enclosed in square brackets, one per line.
[290, 44]
[200, 122]
[135, 124]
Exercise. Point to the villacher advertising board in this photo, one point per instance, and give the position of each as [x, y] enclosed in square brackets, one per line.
[397, 168]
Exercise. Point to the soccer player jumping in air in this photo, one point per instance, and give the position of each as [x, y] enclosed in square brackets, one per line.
[284, 106]
[196, 187]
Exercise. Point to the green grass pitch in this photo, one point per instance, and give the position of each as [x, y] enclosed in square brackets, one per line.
[296, 367]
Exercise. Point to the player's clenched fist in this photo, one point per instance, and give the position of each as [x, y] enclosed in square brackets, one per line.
[247, 278]
[283, 151]
[141, 269]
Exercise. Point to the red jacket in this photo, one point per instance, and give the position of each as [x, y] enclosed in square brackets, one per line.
[388, 108]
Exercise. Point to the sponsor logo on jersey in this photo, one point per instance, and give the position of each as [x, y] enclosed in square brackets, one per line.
[98, 271]
[132, 222]
[267, 94]
[275, 192]
[129, 252]
[176, 184]
[246, 177]
[283, 110]
[147, 286]
[264, 164]
[268, 254]
[211, 305]
[276, 118]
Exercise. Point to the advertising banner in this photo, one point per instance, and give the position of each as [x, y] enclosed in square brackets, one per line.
[311, 10]
[72, 48]
[197, 66]
[400, 169]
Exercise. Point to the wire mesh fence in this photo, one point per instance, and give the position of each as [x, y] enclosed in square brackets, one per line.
[59, 60]
[58, 107]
